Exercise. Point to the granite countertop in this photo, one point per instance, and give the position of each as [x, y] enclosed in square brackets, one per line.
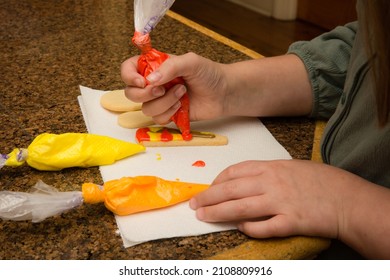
[48, 49]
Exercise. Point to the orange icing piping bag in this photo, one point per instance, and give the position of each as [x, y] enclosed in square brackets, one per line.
[130, 195]
[124, 196]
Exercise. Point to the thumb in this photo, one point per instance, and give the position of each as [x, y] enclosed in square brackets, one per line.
[170, 69]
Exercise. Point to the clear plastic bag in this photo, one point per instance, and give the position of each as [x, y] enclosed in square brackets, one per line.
[41, 202]
[3, 159]
[148, 13]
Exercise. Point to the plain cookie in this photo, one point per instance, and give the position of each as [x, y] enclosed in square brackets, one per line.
[135, 119]
[218, 140]
[116, 101]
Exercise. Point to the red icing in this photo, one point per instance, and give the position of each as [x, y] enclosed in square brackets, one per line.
[199, 163]
[163, 134]
[166, 135]
[181, 118]
[149, 60]
[142, 134]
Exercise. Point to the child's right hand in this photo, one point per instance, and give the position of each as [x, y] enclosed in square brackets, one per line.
[204, 79]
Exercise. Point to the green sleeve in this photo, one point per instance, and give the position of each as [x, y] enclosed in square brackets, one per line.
[326, 59]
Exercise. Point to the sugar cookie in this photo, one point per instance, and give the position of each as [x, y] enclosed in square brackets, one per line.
[219, 140]
[168, 137]
[134, 119]
[116, 101]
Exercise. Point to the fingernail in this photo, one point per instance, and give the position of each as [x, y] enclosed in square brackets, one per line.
[139, 83]
[200, 214]
[158, 91]
[154, 77]
[193, 204]
[177, 105]
[180, 91]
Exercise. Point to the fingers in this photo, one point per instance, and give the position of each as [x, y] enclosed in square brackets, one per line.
[237, 181]
[129, 73]
[236, 210]
[276, 226]
[161, 109]
[143, 94]
[240, 192]
[165, 117]
[229, 190]
[170, 69]
[240, 170]
[233, 200]
[158, 103]
[137, 89]
[173, 67]
[165, 101]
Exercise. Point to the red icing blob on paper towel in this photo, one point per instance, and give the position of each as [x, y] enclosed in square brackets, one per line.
[199, 163]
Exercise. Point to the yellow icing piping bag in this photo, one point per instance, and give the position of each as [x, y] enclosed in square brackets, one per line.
[52, 152]
[124, 196]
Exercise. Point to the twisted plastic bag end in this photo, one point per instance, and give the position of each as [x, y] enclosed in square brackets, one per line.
[41, 202]
[15, 158]
[92, 193]
[142, 42]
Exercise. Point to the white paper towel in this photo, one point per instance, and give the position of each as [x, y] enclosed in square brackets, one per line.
[248, 138]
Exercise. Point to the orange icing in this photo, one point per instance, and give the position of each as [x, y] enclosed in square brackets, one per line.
[130, 195]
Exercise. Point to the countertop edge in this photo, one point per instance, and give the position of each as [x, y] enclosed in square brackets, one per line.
[216, 36]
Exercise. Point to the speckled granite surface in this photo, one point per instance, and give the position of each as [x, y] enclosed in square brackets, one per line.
[48, 49]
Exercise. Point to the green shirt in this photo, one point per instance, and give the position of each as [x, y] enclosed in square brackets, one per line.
[343, 91]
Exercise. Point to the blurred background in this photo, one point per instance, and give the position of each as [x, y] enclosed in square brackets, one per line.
[268, 26]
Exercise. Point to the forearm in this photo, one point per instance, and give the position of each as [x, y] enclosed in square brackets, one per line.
[277, 86]
[365, 222]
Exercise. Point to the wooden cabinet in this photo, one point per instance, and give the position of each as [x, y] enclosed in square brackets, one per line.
[327, 13]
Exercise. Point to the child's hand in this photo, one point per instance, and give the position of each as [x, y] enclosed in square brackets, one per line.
[204, 81]
[277, 198]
